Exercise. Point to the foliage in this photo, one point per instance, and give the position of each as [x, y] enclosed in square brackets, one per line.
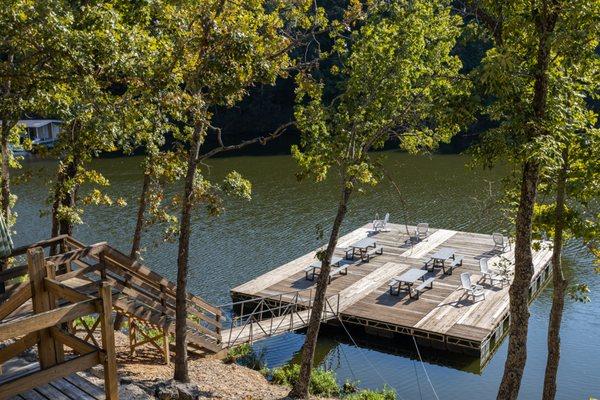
[88, 320]
[504, 268]
[506, 76]
[26, 48]
[399, 81]
[350, 386]
[237, 352]
[322, 382]
[385, 394]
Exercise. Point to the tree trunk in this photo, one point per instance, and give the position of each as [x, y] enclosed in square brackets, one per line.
[181, 367]
[5, 177]
[300, 389]
[5, 172]
[139, 226]
[519, 290]
[560, 286]
[69, 197]
[545, 19]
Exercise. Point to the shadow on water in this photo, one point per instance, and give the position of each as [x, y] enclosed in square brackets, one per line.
[332, 337]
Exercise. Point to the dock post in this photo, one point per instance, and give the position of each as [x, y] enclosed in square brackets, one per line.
[166, 345]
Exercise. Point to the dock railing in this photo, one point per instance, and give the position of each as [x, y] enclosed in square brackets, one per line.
[54, 304]
[252, 319]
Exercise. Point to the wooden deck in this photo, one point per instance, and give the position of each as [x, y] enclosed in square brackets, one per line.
[71, 387]
[441, 317]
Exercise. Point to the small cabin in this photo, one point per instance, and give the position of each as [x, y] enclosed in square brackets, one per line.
[42, 131]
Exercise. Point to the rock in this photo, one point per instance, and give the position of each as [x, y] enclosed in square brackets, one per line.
[166, 391]
[133, 392]
[188, 391]
[171, 390]
[97, 371]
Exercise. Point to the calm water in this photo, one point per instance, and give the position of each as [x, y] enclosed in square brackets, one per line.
[281, 223]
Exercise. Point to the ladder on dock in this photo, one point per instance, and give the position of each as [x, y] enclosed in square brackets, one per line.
[249, 320]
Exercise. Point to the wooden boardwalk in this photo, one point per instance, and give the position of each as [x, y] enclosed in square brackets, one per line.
[442, 316]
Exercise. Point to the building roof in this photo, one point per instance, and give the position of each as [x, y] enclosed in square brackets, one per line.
[36, 123]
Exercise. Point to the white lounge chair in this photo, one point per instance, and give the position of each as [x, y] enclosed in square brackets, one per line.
[381, 224]
[472, 290]
[485, 271]
[500, 242]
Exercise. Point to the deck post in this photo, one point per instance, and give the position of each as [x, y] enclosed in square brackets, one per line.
[111, 385]
[166, 345]
[59, 347]
[40, 299]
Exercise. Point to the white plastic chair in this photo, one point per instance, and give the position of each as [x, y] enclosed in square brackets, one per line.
[485, 271]
[381, 224]
[472, 290]
[500, 242]
[422, 230]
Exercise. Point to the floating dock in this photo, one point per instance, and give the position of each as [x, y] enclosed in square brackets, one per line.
[442, 317]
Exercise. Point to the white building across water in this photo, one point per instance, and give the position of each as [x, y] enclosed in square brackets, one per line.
[42, 131]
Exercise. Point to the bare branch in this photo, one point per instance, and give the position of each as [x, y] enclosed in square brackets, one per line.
[260, 139]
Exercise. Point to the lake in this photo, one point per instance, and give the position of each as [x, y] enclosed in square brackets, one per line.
[282, 222]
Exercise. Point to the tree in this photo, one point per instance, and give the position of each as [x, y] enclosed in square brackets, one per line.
[399, 81]
[222, 48]
[531, 42]
[98, 53]
[575, 182]
[26, 51]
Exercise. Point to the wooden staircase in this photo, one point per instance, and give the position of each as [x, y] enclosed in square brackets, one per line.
[145, 297]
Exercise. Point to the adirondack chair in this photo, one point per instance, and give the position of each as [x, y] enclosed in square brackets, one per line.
[422, 230]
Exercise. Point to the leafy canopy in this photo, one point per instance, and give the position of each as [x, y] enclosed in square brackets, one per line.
[399, 80]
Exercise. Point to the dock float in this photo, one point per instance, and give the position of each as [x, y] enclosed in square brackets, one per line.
[442, 317]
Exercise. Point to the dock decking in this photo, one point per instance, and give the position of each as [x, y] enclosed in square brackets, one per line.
[442, 316]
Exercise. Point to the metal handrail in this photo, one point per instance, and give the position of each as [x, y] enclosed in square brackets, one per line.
[293, 307]
[252, 300]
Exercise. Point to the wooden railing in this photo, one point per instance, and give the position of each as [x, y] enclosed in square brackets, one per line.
[144, 288]
[141, 295]
[54, 304]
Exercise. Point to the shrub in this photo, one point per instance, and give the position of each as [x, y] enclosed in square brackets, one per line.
[385, 394]
[350, 387]
[322, 383]
[237, 352]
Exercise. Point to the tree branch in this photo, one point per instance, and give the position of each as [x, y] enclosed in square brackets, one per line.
[260, 139]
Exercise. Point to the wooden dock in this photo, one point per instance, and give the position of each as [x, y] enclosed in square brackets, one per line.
[442, 317]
